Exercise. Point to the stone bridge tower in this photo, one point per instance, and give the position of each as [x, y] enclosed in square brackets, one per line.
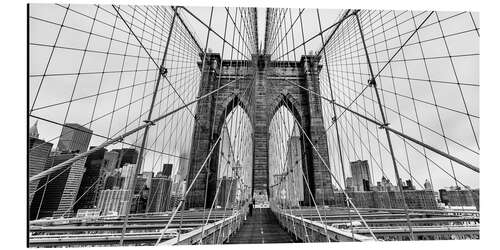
[260, 87]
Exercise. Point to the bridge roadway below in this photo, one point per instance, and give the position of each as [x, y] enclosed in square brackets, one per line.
[386, 224]
[142, 229]
[261, 228]
[265, 226]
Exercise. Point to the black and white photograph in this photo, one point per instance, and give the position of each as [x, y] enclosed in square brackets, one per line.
[210, 123]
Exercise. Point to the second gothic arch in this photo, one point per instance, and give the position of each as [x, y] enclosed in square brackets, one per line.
[260, 92]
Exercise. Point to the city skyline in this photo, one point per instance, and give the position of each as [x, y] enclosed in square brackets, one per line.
[175, 169]
[171, 125]
[452, 122]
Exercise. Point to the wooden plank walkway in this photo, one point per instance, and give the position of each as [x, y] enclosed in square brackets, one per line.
[261, 227]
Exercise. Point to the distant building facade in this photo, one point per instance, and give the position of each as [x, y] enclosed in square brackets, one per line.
[295, 180]
[140, 199]
[148, 176]
[91, 212]
[361, 180]
[89, 188]
[127, 173]
[415, 199]
[110, 162]
[60, 189]
[38, 153]
[113, 180]
[140, 184]
[408, 185]
[460, 197]
[183, 169]
[126, 156]
[159, 194]
[428, 185]
[56, 198]
[167, 170]
[175, 199]
[384, 185]
[113, 202]
[227, 192]
[74, 138]
[33, 131]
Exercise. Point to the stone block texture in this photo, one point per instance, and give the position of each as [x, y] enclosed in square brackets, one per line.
[260, 86]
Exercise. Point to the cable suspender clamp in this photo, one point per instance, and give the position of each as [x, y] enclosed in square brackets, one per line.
[334, 119]
[163, 71]
[149, 122]
[384, 126]
[372, 82]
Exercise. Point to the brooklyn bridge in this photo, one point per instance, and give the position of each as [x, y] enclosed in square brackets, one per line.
[172, 125]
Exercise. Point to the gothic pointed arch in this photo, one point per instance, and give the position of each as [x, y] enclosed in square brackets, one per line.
[260, 90]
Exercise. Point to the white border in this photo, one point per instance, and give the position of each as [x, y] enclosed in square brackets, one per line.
[13, 116]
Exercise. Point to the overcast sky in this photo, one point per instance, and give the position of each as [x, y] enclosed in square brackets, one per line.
[110, 81]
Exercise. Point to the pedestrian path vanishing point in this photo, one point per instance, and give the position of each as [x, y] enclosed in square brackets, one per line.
[261, 227]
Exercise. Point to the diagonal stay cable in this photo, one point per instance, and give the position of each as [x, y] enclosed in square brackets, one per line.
[403, 45]
[387, 63]
[124, 135]
[435, 150]
[332, 175]
[136, 37]
[181, 203]
[159, 67]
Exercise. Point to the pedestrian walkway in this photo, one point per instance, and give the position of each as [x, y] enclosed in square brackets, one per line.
[261, 227]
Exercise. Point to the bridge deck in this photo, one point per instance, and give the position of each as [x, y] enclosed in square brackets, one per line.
[261, 227]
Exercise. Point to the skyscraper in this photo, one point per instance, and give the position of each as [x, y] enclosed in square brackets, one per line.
[74, 138]
[110, 161]
[175, 199]
[459, 197]
[126, 155]
[56, 198]
[113, 202]
[226, 152]
[360, 171]
[294, 165]
[386, 185]
[33, 131]
[113, 180]
[176, 182]
[38, 152]
[159, 194]
[167, 169]
[148, 176]
[408, 185]
[140, 184]
[141, 193]
[227, 191]
[428, 185]
[183, 169]
[139, 203]
[93, 175]
[128, 171]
